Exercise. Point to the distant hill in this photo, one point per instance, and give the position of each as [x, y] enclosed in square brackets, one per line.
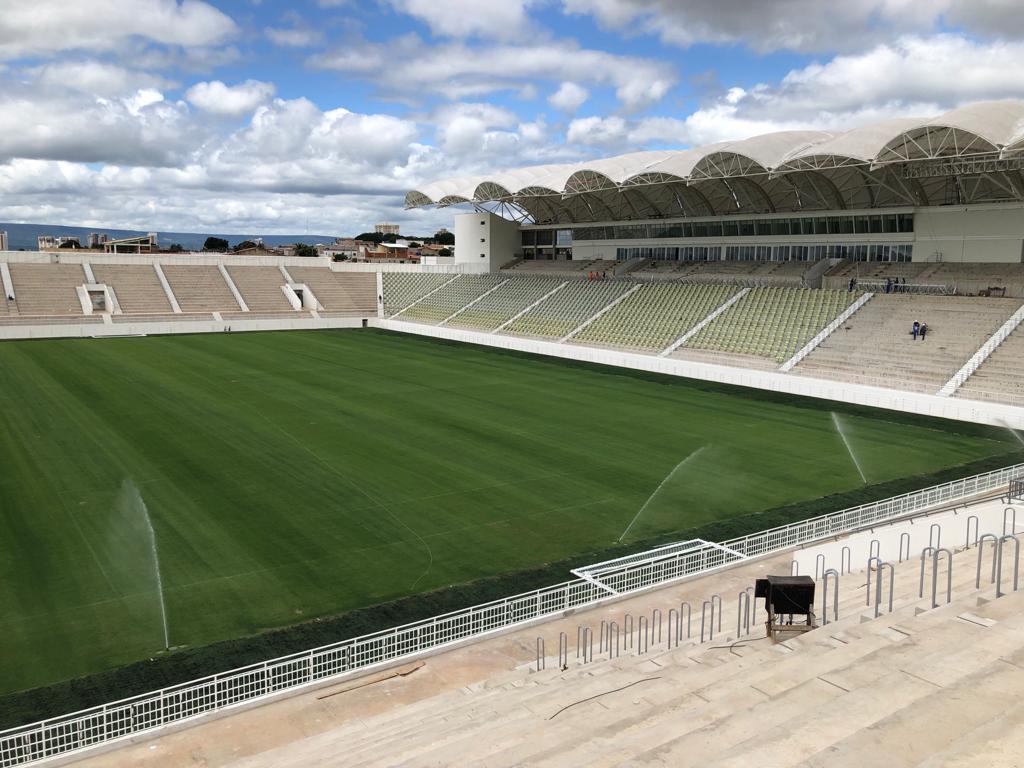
[23, 236]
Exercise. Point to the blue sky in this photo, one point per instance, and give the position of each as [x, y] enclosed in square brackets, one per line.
[246, 115]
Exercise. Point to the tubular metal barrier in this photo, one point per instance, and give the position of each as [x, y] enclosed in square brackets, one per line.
[711, 627]
[641, 638]
[718, 609]
[1013, 520]
[794, 568]
[905, 536]
[879, 571]
[600, 640]
[742, 617]
[588, 645]
[874, 549]
[967, 544]
[541, 660]
[936, 554]
[935, 535]
[627, 627]
[844, 559]
[563, 650]
[925, 553]
[819, 565]
[824, 595]
[656, 617]
[685, 605]
[579, 640]
[673, 627]
[613, 627]
[867, 584]
[981, 551]
[999, 563]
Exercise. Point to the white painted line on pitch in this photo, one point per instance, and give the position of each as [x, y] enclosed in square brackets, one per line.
[839, 429]
[660, 486]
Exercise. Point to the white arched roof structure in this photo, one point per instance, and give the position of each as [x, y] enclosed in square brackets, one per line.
[886, 163]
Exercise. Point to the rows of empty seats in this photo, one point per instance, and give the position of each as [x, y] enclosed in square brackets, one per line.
[504, 303]
[654, 316]
[403, 288]
[47, 289]
[751, 273]
[874, 346]
[340, 292]
[1001, 377]
[958, 326]
[136, 286]
[453, 296]
[772, 323]
[200, 288]
[579, 267]
[567, 309]
[261, 288]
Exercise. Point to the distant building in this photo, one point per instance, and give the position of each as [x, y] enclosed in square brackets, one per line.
[386, 229]
[50, 242]
[97, 239]
[346, 247]
[137, 244]
[3, 241]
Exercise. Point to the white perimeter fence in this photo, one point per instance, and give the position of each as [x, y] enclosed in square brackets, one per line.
[149, 711]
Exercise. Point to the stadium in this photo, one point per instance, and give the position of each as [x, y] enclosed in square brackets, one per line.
[506, 510]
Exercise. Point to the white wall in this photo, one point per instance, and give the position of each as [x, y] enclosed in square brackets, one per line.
[976, 234]
[877, 397]
[487, 239]
[12, 332]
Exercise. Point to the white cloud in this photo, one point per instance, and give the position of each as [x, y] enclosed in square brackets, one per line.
[94, 77]
[910, 77]
[293, 37]
[141, 129]
[505, 20]
[232, 100]
[46, 27]
[800, 25]
[569, 97]
[460, 71]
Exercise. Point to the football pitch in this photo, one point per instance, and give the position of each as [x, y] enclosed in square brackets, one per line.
[233, 483]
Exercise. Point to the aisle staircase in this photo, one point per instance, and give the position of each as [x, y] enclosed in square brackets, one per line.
[908, 686]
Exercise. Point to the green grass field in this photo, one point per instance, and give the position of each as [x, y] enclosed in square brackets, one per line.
[291, 475]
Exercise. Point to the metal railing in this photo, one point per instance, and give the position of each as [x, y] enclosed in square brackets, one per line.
[137, 714]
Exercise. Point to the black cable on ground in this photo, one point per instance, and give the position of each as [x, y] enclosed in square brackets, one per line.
[599, 695]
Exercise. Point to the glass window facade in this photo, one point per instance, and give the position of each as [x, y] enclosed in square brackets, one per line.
[804, 226]
[857, 252]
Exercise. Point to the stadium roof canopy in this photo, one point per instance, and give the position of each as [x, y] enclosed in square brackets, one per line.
[973, 154]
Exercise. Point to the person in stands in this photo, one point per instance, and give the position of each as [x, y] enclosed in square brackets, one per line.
[924, 330]
[915, 329]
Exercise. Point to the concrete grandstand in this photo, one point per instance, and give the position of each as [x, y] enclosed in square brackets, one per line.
[797, 262]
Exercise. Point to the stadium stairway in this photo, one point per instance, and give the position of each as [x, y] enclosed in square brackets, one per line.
[200, 288]
[999, 377]
[875, 346]
[261, 288]
[340, 293]
[136, 286]
[915, 686]
[47, 289]
[829, 693]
